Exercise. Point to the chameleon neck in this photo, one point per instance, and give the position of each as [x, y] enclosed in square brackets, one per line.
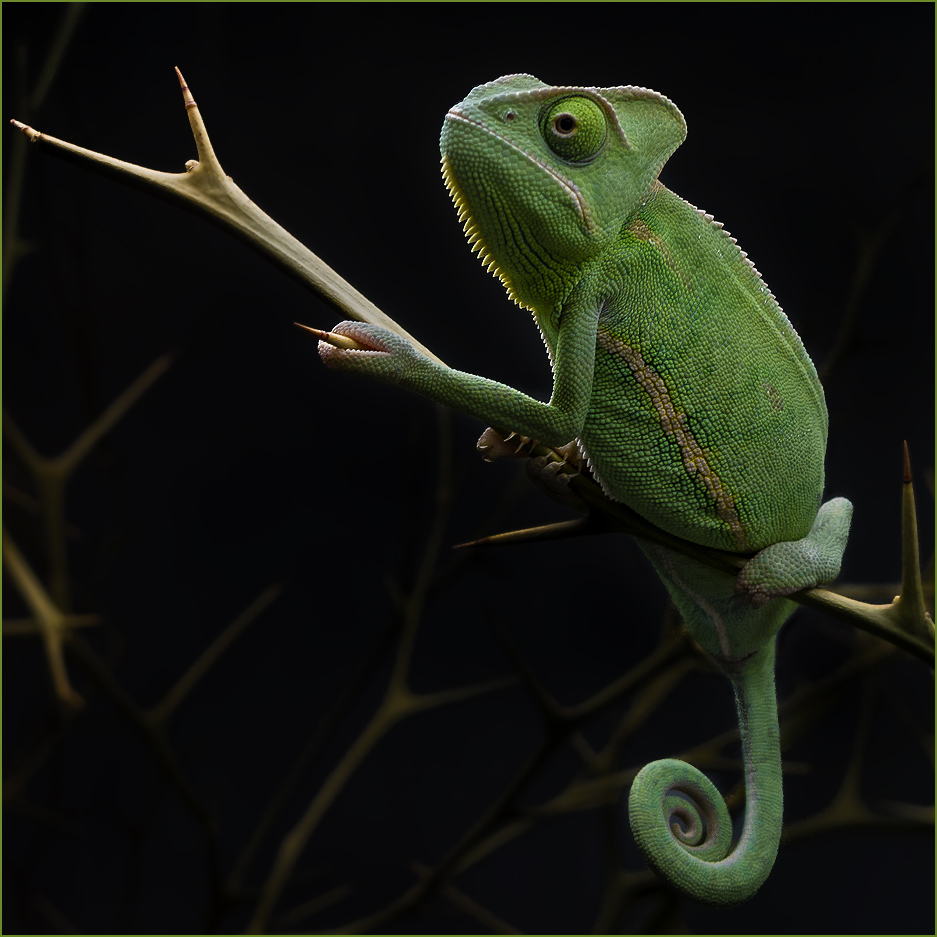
[681, 822]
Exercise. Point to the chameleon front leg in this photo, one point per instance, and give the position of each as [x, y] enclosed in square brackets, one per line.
[391, 359]
[681, 823]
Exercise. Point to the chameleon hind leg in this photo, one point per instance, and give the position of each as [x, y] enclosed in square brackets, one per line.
[678, 818]
[786, 567]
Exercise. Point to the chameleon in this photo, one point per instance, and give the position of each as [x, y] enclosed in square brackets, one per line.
[679, 382]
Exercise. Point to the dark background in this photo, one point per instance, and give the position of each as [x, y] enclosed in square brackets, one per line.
[810, 135]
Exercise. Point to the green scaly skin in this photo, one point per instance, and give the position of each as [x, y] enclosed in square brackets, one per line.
[682, 383]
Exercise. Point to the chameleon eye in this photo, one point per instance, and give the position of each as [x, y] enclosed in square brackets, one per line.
[575, 129]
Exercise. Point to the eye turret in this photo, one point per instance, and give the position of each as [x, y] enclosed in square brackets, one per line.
[575, 129]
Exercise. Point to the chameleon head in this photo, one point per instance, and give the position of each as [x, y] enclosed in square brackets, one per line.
[544, 178]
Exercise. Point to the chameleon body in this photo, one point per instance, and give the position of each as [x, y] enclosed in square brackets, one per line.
[683, 385]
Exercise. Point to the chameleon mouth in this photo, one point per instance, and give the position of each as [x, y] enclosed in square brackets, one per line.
[570, 188]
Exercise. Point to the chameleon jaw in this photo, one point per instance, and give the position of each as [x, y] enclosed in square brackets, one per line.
[571, 189]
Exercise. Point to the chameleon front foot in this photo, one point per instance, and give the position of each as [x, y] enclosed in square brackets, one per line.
[368, 350]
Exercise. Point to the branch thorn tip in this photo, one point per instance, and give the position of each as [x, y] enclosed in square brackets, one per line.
[186, 94]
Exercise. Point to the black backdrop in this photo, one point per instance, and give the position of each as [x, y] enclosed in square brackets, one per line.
[248, 464]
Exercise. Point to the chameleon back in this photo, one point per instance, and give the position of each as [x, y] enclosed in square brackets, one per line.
[706, 410]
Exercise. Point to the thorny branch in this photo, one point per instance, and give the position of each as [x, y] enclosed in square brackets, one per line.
[206, 189]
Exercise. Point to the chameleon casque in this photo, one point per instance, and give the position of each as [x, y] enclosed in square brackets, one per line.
[682, 384]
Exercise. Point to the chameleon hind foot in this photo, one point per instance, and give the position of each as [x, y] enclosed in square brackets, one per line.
[548, 474]
[789, 566]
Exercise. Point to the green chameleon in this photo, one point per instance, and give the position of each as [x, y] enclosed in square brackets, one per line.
[681, 383]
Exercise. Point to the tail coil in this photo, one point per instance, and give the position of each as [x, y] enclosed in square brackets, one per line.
[681, 823]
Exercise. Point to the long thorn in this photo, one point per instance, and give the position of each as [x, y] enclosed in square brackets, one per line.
[558, 531]
[912, 591]
[333, 338]
[207, 161]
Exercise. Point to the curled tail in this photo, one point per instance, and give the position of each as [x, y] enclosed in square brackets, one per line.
[681, 823]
